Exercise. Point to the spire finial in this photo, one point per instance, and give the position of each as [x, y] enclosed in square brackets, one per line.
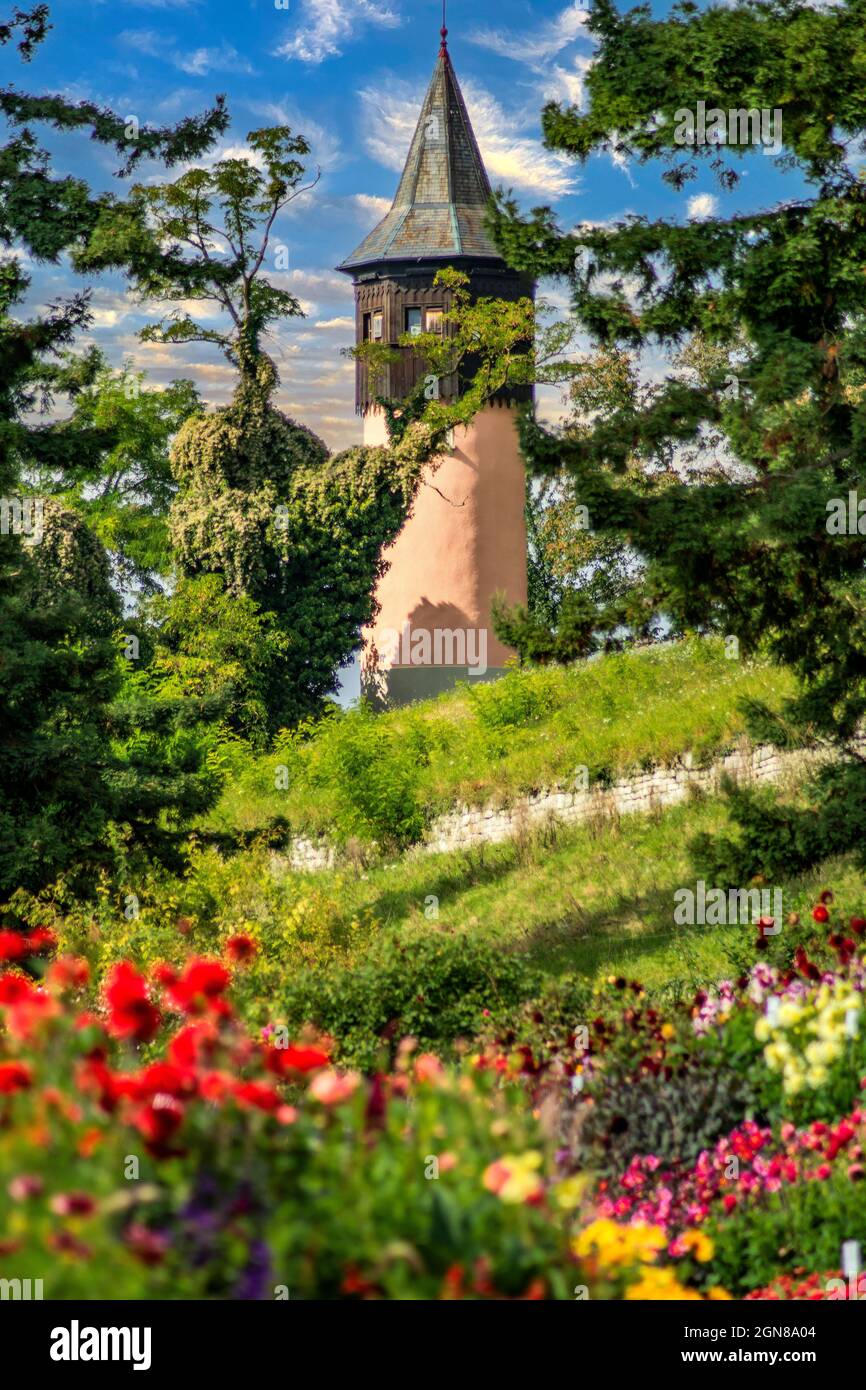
[444, 32]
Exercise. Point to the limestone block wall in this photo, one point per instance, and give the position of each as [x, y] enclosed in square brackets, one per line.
[641, 792]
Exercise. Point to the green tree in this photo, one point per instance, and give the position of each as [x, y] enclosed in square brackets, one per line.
[215, 645]
[207, 238]
[580, 580]
[750, 552]
[64, 777]
[122, 483]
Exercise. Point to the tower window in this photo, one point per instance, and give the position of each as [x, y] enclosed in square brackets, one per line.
[366, 328]
[413, 322]
[434, 320]
[378, 325]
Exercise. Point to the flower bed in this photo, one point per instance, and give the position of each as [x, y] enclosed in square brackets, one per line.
[151, 1145]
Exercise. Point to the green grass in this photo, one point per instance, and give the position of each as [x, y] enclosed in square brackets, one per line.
[530, 729]
[573, 900]
[593, 901]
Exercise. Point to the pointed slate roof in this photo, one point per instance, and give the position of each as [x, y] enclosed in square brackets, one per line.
[438, 212]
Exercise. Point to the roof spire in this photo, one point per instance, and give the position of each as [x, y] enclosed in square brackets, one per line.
[443, 50]
[438, 211]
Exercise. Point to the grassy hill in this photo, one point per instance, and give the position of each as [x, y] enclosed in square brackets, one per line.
[591, 900]
[480, 930]
[383, 777]
[354, 947]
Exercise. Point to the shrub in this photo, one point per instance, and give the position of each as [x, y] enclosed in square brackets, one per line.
[798, 1229]
[214, 644]
[672, 1117]
[371, 775]
[520, 697]
[777, 839]
[435, 989]
[295, 924]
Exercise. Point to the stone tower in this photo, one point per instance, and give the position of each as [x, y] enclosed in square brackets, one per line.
[466, 538]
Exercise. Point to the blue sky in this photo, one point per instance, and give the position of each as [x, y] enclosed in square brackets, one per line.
[349, 74]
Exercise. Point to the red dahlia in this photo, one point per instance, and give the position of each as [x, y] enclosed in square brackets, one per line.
[14, 1076]
[200, 986]
[240, 948]
[131, 1014]
[13, 946]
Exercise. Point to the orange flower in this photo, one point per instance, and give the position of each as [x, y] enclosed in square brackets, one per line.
[428, 1067]
[90, 1142]
[332, 1087]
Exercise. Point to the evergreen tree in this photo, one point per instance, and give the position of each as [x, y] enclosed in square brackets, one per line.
[580, 580]
[756, 551]
[64, 776]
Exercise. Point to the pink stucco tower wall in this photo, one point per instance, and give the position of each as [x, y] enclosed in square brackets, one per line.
[465, 539]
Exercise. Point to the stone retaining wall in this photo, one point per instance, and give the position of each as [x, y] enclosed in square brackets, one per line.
[644, 791]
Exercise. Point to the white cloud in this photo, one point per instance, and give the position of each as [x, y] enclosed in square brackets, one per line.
[198, 63]
[390, 113]
[178, 101]
[371, 208]
[511, 157]
[536, 48]
[213, 371]
[143, 41]
[326, 151]
[341, 322]
[326, 25]
[618, 156]
[254, 157]
[112, 307]
[566, 84]
[326, 287]
[204, 60]
[542, 42]
[702, 205]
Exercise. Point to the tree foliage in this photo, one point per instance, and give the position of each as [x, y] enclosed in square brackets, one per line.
[206, 238]
[116, 472]
[219, 646]
[580, 580]
[782, 288]
[77, 773]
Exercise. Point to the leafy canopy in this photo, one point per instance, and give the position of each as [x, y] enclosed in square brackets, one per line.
[207, 237]
[79, 773]
[779, 293]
